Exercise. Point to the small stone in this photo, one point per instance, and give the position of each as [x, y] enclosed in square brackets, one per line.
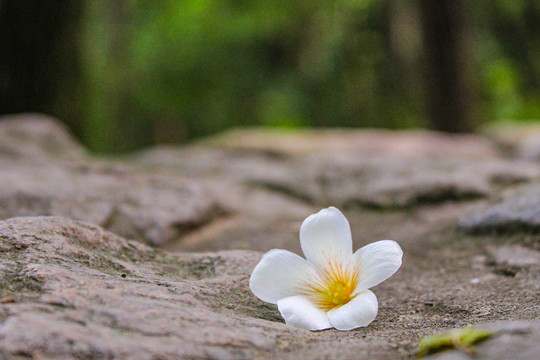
[151, 208]
[517, 212]
[37, 136]
[514, 255]
[479, 259]
[529, 147]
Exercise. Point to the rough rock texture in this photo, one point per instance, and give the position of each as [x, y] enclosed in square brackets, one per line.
[530, 147]
[515, 255]
[517, 211]
[390, 170]
[155, 209]
[368, 142]
[518, 340]
[393, 182]
[37, 136]
[269, 186]
[73, 290]
[520, 139]
[45, 173]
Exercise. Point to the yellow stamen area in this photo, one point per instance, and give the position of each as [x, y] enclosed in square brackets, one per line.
[334, 287]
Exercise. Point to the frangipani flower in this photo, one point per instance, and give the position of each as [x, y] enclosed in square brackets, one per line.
[330, 287]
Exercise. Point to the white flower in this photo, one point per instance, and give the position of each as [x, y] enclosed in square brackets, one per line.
[330, 287]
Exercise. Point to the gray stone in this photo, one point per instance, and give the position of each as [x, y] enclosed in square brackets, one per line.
[392, 182]
[450, 355]
[519, 340]
[72, 290]
[46, 172]
[37, 136]
[514, 138]
[519, 139]
[514, 255]
[517, 211]
[271, 181]
[367, 142]
[152, 208]
[373, 168]
[530, 147]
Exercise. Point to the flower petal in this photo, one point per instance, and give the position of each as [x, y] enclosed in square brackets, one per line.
[300, 312]
[326, 236]
[279, 274]
[358, 312]
[376, 262]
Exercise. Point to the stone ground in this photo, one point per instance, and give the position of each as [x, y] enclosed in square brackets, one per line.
[147, 256]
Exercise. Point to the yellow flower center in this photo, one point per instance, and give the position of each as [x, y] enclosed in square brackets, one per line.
[334, 289]
[337, 294]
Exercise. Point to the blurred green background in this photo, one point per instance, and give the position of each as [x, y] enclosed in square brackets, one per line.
[124, 74]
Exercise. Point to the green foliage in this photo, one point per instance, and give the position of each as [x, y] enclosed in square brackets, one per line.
[199, 67]
[461, 339]
[171, 71]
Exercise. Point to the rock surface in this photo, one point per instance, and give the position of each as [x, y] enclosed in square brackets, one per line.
[37, 136]
[82, 290]
[154, 209]
[268, 186]
[517, 211]
[45, 173]
[74, 290]
[520, 139]
[283, 143]
[530, 147]
[518, 340]
[515, 255]
[393, 182]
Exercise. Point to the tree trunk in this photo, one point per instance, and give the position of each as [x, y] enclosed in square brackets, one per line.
[39, 62]
[448, 91]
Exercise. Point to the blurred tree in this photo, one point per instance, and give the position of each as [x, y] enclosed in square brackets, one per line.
[39, 65]
[171, 71]
[447, 65]
[194, 68]
[115, 119]
[508, 51]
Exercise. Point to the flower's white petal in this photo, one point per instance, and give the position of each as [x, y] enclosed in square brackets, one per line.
[279, 274]
[300, 312]
[326, 236]
[358, 312]
[376, 262]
